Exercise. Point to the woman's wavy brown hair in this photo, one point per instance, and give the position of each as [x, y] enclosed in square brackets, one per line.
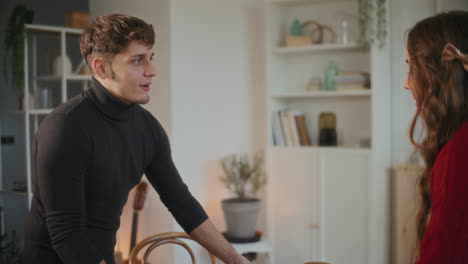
[440, 89]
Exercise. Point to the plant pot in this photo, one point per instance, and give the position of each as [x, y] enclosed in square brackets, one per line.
[241, 217]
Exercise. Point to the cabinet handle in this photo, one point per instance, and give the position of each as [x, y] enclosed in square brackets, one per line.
[314, 226]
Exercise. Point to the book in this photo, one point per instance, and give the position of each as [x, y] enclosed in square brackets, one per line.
[350, 86]
[277, 130]
[348, 78]
[304, 137]
[285, 128]
[293, 128]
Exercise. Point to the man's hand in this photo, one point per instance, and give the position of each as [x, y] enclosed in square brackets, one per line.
[243, 260]
[102, 262]
[207, 236]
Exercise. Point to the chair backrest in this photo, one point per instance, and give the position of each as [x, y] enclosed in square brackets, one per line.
[155, 241]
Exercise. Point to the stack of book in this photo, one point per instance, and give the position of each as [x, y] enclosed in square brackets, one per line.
[290, 129]
[347, 81]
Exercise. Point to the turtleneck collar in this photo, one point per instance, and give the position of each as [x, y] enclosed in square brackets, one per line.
[110, 105]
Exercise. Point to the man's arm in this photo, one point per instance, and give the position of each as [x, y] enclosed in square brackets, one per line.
[207, 236]
[62, 155]
[176, 196]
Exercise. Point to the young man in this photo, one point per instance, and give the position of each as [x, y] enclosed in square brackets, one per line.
[92, 150]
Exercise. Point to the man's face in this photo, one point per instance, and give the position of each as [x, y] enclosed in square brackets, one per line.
[131, 74]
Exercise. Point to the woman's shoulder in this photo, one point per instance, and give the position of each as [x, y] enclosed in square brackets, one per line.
[459, 141]
[455, 150]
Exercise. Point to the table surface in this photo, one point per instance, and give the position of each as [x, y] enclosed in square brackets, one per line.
[262, 246]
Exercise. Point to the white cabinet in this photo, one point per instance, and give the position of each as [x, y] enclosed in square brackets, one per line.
[292, 186]
[327, 204]
[319, 205]
[344, 211]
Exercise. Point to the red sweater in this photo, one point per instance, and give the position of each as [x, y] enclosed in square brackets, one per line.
[446, 238]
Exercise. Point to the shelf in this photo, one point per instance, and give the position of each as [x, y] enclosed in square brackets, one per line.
[40, 111]
[262, 246]
[356, 150]
[68, 77]
[318, 48]
[49, 29]
[303, 2]
[318, 94]
[14, 192]
[34, 112]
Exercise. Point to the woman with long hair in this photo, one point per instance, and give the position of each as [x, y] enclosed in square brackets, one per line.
[437, 55]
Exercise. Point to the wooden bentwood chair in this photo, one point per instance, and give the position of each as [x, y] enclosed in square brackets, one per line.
[152, 242]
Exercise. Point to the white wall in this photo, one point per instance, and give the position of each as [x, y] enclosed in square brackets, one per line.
[155, 217]
[404, 14]
[217, 106]
[212, 100]
[217, 73]
[444, 5]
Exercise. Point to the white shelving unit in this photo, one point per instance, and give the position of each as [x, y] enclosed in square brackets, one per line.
[327, 203]
[35, 78]
[320, 94]
[13, 192]
[312, 149]
[68, 77]
[302, 2]
[40, 111]
[318, 48]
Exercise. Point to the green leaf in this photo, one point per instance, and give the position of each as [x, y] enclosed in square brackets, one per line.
[243, 175]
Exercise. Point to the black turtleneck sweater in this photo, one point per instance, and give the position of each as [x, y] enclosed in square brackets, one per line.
[88, 154]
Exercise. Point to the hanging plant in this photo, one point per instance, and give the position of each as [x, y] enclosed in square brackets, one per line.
[15, 34]
[381, 13]
[373, 21]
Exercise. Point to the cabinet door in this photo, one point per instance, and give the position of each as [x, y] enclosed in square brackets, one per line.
[291, 189]
[344, 206]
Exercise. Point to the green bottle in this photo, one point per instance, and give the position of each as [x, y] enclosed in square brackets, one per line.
[330, 72]
[296, 28]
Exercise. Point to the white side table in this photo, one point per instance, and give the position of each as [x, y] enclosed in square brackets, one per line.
[263, 246]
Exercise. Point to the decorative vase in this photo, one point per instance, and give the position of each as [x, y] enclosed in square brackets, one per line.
[57, 66]
[22, 101]
[327, 129]
[330, 72]
[45, 98]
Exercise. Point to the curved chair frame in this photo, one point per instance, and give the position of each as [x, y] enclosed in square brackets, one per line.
[152, 242]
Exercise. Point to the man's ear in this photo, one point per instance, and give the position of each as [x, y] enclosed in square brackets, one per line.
[101, 68]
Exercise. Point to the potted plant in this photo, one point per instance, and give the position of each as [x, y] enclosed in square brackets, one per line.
[9, 249]
[15, 34]
[244, 176]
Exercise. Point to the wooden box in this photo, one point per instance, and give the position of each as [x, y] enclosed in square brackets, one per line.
[298, 41]
[77, 19]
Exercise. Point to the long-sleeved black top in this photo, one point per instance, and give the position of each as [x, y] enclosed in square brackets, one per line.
[88, 154]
